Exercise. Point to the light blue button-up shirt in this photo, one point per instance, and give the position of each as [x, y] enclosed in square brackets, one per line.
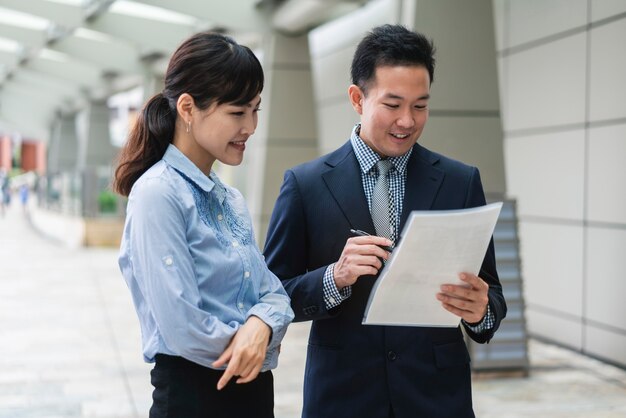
[190, 260]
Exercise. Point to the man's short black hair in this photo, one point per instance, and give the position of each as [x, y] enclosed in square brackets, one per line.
[391, 45]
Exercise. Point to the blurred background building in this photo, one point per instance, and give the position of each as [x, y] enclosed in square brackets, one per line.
[530, 91]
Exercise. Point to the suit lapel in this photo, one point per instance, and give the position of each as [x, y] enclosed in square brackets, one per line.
[422, 182]
[343, 180]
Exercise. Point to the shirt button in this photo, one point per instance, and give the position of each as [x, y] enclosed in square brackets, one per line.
[220, 217]
[246, 274]
[240, 305]
[235, 244]
[331, 300]
[169, 261]
[392, 356]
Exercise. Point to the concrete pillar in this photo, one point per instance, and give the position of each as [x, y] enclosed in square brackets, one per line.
[96, 154]
[94, 140]
[63, 146]
[152, 83]
[286, 135]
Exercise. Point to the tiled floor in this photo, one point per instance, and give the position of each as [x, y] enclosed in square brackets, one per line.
[69, 347]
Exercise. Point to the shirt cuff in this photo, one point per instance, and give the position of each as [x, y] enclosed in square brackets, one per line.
[487, 323]
[333, 296]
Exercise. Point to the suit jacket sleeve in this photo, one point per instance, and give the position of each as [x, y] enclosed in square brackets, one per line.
[286, 253]
[476, 197]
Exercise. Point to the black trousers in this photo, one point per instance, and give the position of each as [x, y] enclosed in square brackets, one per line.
[183, 389]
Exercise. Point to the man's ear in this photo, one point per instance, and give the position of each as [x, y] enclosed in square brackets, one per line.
[184, 107]
[356, 98]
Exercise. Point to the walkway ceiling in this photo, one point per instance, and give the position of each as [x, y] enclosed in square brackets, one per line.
[58, 55]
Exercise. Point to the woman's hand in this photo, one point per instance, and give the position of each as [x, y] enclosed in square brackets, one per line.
[245, 353]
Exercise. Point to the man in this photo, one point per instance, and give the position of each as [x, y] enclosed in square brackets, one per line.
[355, 370]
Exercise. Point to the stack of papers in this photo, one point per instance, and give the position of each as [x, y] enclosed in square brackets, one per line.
[435, 247]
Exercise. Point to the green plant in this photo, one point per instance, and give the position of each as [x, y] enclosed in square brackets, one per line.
[107, 202]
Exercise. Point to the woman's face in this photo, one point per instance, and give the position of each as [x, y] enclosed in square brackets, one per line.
[220, 133]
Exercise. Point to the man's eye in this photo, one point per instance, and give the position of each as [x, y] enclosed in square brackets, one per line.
[391, 106]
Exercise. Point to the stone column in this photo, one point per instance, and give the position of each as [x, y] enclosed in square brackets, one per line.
[96, 154]
[286, 135]
[63, 147]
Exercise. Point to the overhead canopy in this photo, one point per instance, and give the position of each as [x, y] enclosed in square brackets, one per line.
[57, 55]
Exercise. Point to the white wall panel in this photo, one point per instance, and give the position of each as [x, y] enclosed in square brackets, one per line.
[552, 266]
[605, 344]
[503, 77]
[473, 140]
[565, 331]
[332, 75]
[601, 9]
[535, 19]
[606, 264]
[336, 122]
[565, 168]
[608, 66]
[545, 174]
[606, 198]
[546, 85]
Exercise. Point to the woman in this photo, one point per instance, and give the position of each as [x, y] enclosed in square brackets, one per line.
[208, 307]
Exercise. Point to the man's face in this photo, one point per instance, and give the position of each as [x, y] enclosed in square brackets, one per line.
[395, 110]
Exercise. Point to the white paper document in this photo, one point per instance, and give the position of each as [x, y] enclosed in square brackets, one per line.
[435, 247]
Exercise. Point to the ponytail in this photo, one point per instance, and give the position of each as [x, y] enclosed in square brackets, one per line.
[147, 142]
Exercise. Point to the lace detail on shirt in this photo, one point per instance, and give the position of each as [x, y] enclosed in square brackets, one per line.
[237, 225]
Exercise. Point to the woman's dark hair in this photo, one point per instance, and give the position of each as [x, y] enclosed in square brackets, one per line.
[211, 68]
[391, 45]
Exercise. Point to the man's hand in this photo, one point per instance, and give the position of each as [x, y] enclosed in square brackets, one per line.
[245, 353]
[360, 256]
[468, 301]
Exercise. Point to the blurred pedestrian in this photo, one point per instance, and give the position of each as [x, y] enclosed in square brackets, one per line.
[5, 192]
[24, 192]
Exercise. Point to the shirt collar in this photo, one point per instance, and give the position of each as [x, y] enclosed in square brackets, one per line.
[368, 158]
[179, 161]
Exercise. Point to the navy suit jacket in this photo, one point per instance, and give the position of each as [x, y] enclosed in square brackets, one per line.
[355, 370]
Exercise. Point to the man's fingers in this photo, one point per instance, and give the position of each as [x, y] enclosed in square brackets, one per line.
[365, 249]
[473, 280]
[455, 310]
[371, 239]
